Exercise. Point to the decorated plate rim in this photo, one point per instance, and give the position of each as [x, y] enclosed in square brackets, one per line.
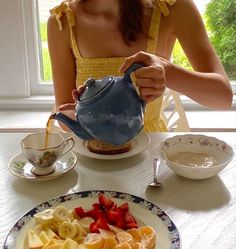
[143, 203]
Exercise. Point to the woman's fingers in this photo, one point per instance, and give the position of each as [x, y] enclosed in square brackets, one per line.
[141, 57]
[77, 92]
[69, 106]
[150, 93]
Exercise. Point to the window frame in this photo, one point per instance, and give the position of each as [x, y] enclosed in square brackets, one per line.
[37, 87]
[30, 92]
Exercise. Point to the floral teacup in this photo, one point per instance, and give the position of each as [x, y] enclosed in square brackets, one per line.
[43, 149]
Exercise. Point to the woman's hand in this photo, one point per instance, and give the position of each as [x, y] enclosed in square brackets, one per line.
[75, 94]
[151, 78]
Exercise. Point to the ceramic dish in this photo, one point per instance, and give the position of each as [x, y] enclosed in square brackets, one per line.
[20, 167]
[139, 144]
[145, 211]
[218, 150]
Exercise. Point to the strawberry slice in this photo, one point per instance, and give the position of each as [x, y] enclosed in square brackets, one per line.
[130, 221]
[113, 216]
[95, 214]
[80, 212]
[106, 203]
[99, 223]
[97, 206]
[124, 207]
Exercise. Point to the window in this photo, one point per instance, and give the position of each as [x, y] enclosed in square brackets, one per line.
[25, 67]
[219, 19]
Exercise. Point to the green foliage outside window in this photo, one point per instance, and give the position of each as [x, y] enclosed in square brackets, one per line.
[221, 21]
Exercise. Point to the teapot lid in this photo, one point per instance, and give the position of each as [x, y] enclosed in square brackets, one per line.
[94, 87]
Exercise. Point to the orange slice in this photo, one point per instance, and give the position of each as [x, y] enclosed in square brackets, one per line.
[148, 237]
[94, 241]
[123, 246]
[124, 237]
[135, 234]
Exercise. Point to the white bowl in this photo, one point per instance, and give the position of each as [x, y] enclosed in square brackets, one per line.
[220, 151]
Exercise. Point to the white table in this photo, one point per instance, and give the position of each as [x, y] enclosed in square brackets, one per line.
[204, 211]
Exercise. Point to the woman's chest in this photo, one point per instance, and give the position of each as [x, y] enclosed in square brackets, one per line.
[99, 37]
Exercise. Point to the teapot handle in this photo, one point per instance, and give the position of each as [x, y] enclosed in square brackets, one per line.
[131, 69]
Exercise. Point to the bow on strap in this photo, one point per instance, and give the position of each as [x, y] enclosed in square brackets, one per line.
[163, 6]
[59, 10]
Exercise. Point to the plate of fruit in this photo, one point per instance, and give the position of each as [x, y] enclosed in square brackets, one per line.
[95, 219]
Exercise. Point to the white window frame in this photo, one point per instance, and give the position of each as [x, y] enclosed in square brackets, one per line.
[33, 48]
[19, 82]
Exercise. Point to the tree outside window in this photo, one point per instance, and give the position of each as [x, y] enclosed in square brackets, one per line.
[219, 18]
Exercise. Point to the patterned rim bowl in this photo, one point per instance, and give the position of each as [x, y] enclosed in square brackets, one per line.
[221, 152]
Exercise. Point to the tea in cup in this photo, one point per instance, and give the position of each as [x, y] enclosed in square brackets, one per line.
[43, 155]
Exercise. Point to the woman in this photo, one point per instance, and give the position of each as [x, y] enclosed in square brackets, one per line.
[104, 37]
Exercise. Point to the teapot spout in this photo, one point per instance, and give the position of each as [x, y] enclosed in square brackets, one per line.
[73, 125]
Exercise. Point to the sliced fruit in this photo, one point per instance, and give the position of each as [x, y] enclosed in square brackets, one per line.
[124, 237]
[138, 245]
[61, 214]
[81, 232]
[33, 241]
[44, 237]
[80, 212]
[54, 244]
[44, 217]
[105, 202]
[71, 215]
[38, 228]
[94, 241]
[135, 234]
[115, 229]
[130, 221]
[123, 246]
[99, 223]
[50, 233]
[85, 223]
[53, 247]
[67, 230]
[148, 237]
[106, 234]
[110, 243]
[70, 244]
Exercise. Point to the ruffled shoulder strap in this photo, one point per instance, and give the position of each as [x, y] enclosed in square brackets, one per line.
[63, 8]
[160, 8]
[163, 5]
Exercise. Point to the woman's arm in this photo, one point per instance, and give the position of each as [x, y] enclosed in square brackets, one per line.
[62, 61]
[207, 85]
[63, 65]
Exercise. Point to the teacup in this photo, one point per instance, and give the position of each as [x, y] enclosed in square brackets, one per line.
[43, 149]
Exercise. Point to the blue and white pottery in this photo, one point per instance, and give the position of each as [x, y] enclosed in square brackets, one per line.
[109, 110]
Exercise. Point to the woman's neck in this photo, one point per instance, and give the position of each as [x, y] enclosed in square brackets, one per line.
[101, 7]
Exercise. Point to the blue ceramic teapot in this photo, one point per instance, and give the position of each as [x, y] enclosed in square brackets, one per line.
[108, 110]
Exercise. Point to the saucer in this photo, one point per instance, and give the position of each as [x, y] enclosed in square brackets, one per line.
[20, 167]
[139, 144]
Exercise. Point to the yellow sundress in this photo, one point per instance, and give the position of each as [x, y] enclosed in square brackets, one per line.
[101, 67]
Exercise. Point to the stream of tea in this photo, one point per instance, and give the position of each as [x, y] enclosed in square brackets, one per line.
[48, 128]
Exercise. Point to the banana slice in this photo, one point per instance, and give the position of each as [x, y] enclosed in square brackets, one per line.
[85, 223]
[61, 214]
[81, 232]
[44, 217]
[67, 230]
[71, 215]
